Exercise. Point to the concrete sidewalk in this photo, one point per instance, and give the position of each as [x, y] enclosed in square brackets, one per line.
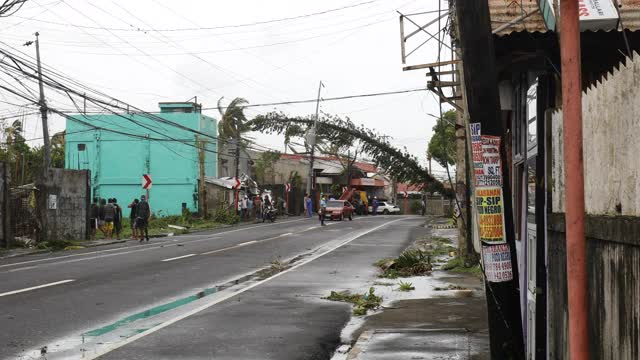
[448, 324]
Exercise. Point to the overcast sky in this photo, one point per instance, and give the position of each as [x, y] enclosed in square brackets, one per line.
[354, 50]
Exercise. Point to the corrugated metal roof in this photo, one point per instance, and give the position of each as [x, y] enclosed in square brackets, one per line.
[504, 11]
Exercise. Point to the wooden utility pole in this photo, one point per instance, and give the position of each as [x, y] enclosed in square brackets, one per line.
[574, 175]
[43, 111]
[483, 103]
[312, 142]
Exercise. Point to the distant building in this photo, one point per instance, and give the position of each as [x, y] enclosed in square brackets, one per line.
[119, 149]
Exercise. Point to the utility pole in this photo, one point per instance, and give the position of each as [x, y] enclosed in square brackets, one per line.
[574, 175]
[202, 191]
[43, 111]
[483, 103]
[312, 142]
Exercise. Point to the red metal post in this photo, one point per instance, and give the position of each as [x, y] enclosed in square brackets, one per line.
[574, 190]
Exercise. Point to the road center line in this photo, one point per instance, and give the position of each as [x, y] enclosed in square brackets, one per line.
[232, 294]
[179, 257]
[24, 268]
[36, 287]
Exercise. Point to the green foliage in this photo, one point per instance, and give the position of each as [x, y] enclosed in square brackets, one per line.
[409, 263]
[415, 207]
[223, 215]
[362, 302]
[19, 155]
[405, 286]
[400, 164]
[458, 265]
[233, 121]
[442, 146]
[295, 179]
[264, 167]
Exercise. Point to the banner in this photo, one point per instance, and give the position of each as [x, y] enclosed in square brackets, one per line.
[497, 263]
[491, 215]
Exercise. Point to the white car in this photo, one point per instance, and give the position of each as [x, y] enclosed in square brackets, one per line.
[385, 208]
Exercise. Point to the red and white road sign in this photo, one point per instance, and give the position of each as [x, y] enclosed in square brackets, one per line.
[287, 187]
[237, 183]
[146, 181]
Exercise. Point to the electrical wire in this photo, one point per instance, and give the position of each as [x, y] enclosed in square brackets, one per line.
[135, 29]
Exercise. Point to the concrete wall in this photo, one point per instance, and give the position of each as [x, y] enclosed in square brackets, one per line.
[611, 133]
[68, 219]
[613, 282]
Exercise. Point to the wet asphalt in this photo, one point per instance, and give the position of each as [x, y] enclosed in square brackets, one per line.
[282, 318]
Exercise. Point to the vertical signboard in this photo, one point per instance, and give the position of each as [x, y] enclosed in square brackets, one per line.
[497, 263]
[491, 214]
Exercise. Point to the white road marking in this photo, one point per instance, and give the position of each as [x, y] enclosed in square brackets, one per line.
[146, 246]
[232, 294]
[36, 287]
[247, 243]
[24, 268]
[179, 257]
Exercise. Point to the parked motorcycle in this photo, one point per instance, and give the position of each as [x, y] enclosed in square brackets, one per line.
[269, 213]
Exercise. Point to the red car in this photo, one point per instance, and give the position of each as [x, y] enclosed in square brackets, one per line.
[339, 210]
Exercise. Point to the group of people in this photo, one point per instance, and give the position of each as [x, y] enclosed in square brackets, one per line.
[106, 216]
[254, 206]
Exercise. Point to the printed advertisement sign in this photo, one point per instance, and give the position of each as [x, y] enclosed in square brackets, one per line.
[490, 214]
[497, 263]
[491, 174]
[476, 146]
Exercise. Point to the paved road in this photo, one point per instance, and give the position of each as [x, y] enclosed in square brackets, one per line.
[164, 300]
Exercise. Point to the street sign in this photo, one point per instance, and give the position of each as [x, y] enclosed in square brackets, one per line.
[146, 181]
[287, 187]
[237, 183]
[345, 189]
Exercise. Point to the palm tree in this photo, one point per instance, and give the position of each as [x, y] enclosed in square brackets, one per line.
[232, 124]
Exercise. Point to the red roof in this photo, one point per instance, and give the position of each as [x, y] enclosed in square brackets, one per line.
[364, 166]
[409, 188]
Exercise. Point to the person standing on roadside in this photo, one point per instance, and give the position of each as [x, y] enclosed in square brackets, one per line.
[117, 221]
[375, 205]
[304, 204]
[323, 209]
[103, 203]
[109, 218]
[309, 206]
[249, 207]
[258, 205]
[243, 208]
[132, 218]
[93, 220]
[142, 218]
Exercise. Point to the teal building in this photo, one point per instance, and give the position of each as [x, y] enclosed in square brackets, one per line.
[119, 149]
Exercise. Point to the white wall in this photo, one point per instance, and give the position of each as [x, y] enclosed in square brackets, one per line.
[611, 135]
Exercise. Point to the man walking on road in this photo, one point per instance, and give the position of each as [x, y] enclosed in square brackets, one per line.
[132, 218]
[142, 219]
[323, 209]
[117, 220]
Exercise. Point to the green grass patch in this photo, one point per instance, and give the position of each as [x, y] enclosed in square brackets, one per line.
[405, 286]
[409, 263]
[361, 302]
[457, 265]
[450, 287]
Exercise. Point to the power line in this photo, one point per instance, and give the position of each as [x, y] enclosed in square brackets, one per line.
[331, 98]
[137, 29]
